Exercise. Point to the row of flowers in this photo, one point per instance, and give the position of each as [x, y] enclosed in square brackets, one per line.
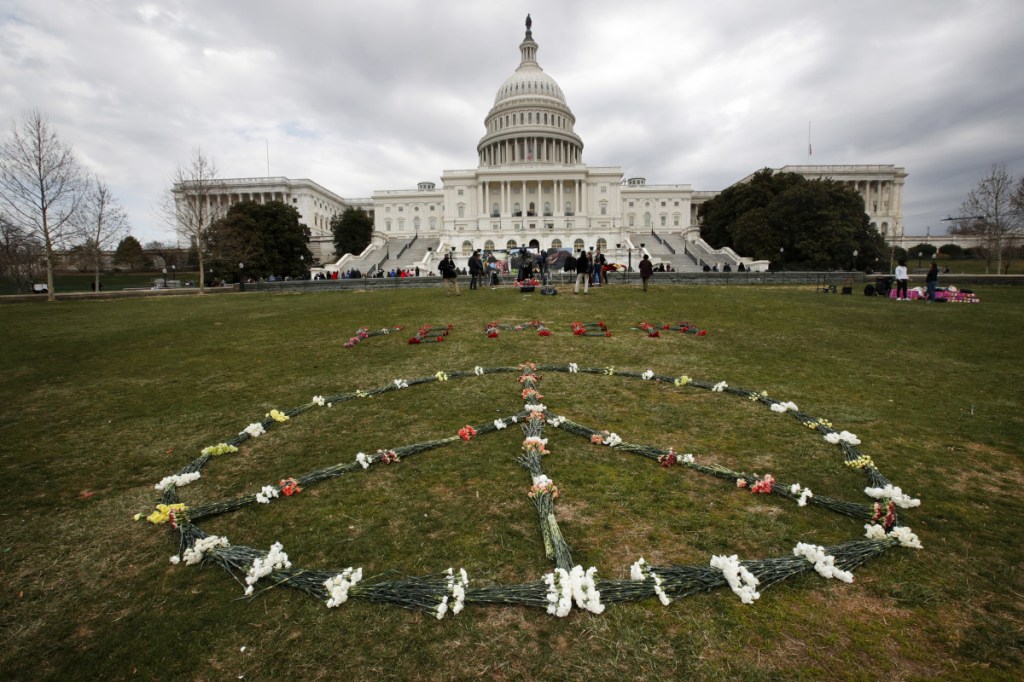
[653, 330]
[494, 329]
[364, 333]
[431, 334]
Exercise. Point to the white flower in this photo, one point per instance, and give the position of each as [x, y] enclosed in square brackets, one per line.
[556, 421]
[478, 370]
[906, 537]
[535, 441]
[264, 496]
[499, 424]
[849, 438]
[638, 571]
[175, 559]
[742, 581]
[536, 407]
[194, 554]
[894, 493]
[275, 560]
[177, 481]
[791, 406]
[688, 458]
[255, 430]
[401, 383]
[319, 400]
[647, 375]
[559, 593]
[832, 437]
[573, 368]
[778, 407]
[874, 531]
[338, 586]
[612, 440]
[804, 494]
[363, 460]
[584, 589]
[824, 564]
[541, 479]
[720, 387]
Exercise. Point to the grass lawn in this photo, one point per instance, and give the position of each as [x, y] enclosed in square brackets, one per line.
[101, 399]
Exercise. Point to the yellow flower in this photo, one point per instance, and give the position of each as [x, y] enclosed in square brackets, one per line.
[362, 394]
[163, 512]
[277, 416]
[609, 371]
[441, 376]
[683, 380]
[219, 449]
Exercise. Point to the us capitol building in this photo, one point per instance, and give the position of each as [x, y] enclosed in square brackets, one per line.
[532, 188]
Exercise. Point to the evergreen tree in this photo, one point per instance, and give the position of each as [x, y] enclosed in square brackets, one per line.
[129, 254]
[352, 231]
[268, 238]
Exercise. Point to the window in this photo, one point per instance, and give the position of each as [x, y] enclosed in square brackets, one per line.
[632, 220]
[460, 191]
[602, 244]
[387, 209]
[568, 224]
[416, 223]
[433, 223]
[663, 203]
[604, 208]
[631, 204]
[556, 243]
[577, 245]
[401, 224]
[431, 207]
[675, 219]
[547, 208]
[568, 208]
[676, 203]
[416, 208]
[467, 248]
[663, 219]
[488, 245]
[647, 219]
[604, 189]
[387, 224]
[462, 210]
[516, 210]
[495, 209]
[511, 244]
[401, 209]
[529, 117]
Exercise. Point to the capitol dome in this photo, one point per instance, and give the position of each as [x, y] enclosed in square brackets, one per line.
[530, 122]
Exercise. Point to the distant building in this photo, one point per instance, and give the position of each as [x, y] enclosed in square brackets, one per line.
[531, 188]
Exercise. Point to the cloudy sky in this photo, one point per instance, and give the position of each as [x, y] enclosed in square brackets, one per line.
[381, 95]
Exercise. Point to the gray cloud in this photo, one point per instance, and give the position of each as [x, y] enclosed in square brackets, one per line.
[379, 96]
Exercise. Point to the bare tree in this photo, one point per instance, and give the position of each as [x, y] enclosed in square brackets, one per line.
[992, 212]
[41, 186]
[103, 222]
[188, 207]
[20, 255]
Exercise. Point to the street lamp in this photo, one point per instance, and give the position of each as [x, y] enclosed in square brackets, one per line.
[241, 277]
[174, 269]
[854, 260]
[165, 277]
[782, 251]
[919, 254]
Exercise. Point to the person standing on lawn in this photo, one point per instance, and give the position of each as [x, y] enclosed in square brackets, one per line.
[901, 280]
[449, 275]
[646, 268]
[582, 273]
[932, 281]
[476, 268]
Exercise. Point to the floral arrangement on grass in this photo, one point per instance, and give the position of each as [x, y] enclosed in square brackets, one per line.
[364, 333]
[598, 328]
[532, 282]
[494, 329]
[568, 584]
[653, 330]
[431, 334]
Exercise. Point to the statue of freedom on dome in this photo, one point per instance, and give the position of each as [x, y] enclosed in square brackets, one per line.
[529, 22]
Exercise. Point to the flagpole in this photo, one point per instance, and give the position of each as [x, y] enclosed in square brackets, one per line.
[268, 157]
[809, 150]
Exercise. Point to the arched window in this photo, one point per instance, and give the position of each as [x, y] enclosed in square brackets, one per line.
[401, 224]
[547, 208]
[467, 248]
[675, 219]
[632, 220]
[529, 117]
[545, 119]
[495, 209]
[577, 245]
[604, 208]
[664, 219]
[516, 210]
[885, 229]
[647, 219]
[556, 243]
[602, 244]
[462, 210]
[511, 244]
[568, 208]
[387, 224]
[488, 245]
[532, 210]
[416, 223]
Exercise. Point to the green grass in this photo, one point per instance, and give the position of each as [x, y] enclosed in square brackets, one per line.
[101, 399]
[65, 282]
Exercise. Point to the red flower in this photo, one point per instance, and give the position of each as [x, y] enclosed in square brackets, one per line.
[414, 339]
[493, 334]
[544, 332]
[702, 332]
[289, 487]
[467, 432]
[440, 338]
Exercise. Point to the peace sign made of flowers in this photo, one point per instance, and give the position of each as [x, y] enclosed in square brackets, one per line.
[568, 583]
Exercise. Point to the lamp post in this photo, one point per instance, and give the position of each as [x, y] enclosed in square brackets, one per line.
[854, 260]
[241, 276]
[919, 254]
[782, 251]
[174, 269]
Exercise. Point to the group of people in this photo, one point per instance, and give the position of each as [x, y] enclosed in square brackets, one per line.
[931, 280]
[725, 268]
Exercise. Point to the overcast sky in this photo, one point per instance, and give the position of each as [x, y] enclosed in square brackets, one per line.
[380, 95]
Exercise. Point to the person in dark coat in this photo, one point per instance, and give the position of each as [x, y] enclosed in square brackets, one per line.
[931, 280]
[582, 273]
[476, 269]
[646, 268]
[449, 275]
